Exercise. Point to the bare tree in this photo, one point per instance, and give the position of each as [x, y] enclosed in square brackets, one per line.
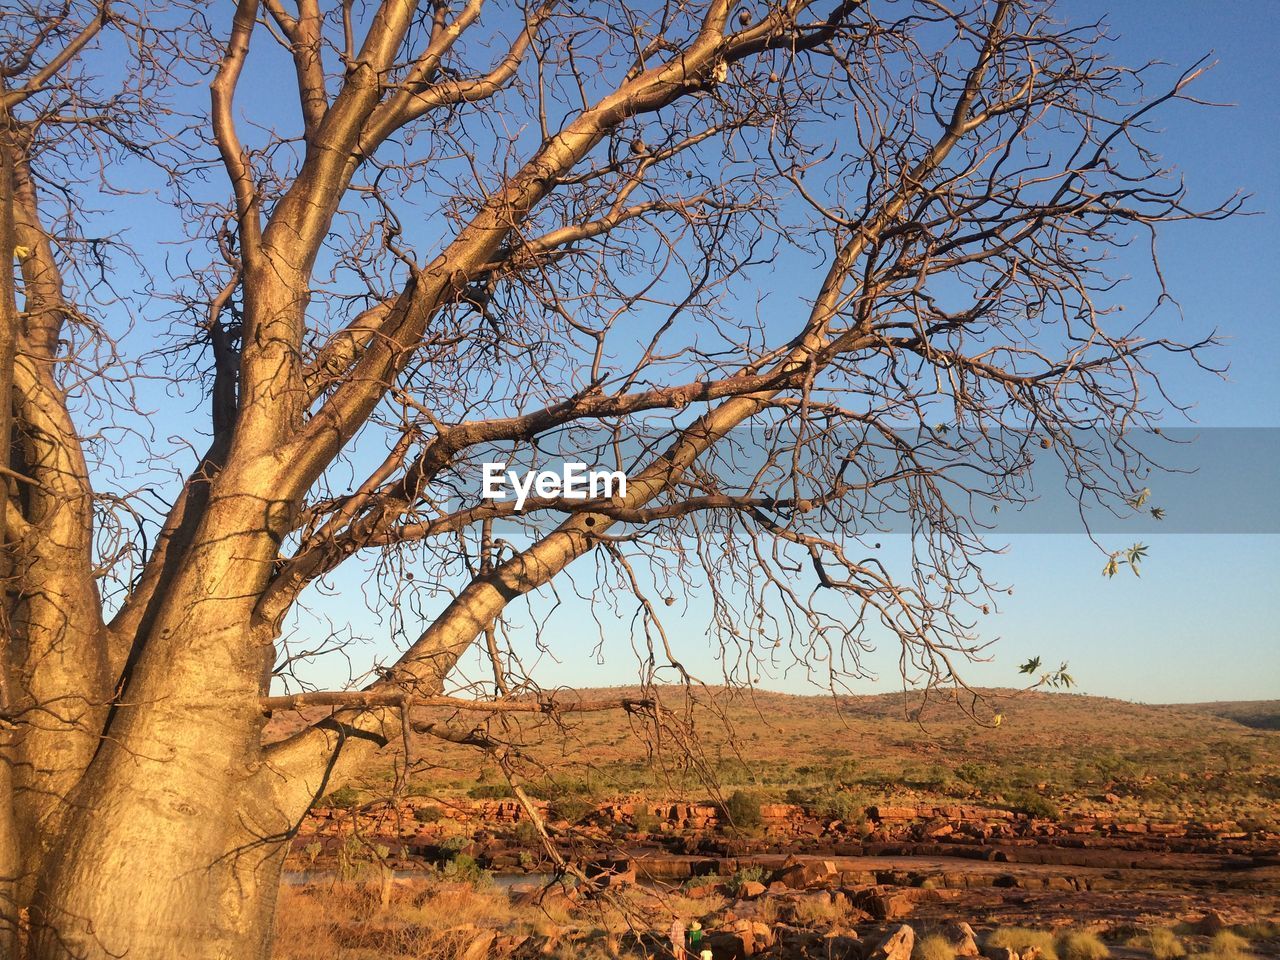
[547, 228]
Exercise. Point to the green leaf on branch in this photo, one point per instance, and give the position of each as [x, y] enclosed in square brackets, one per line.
[1132, 558]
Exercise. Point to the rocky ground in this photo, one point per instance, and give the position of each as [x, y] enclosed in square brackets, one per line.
[807, 886]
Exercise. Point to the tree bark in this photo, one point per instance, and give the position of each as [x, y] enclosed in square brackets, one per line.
[178, 795]
[10, 847]
[177, 810]
[160, 874]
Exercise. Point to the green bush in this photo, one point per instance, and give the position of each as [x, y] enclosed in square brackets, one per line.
[571, 809]
[427, 814]
[842, 805]
[744, 876]
[742, 809]
[589, 786]
[450, 846]
[526, 834]
[490, 791]
[463, 867]
[831, 804]
[343, 798]
[976, 774]
[1033, 805]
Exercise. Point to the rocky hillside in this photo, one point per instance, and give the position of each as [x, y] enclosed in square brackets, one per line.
[1051, 752]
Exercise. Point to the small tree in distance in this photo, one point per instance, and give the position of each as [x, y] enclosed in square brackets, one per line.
[398, 237]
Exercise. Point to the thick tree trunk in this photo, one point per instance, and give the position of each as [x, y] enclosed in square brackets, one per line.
[177, 857]
[177, 833]
[145, 903]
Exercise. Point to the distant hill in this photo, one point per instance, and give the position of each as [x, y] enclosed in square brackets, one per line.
[1221, 759]
[1259, 714]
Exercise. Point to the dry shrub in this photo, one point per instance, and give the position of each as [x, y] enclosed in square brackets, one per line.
[579, 951]
[1226, 945]
[630, 907]
[1022, 938]
[815, 910]
[1161, 942]
[933, 947]
[1081, 945]
[303, 928]
[344, 921]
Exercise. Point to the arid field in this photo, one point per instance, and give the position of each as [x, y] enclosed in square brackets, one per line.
[1076, 829]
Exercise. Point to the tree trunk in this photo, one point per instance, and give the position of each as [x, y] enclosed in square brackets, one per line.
[10, 846]
[155, 866]
[178, 832]
[140, 905]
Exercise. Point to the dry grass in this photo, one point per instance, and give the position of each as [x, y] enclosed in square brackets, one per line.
[1226, 945]
[1081, 945]
[640, 908]
[933, 947]
[1161, 942]
[814, 911]
[579, 951]
[1259, 930]
[346, 921]
[1021, 938]
[675, 904]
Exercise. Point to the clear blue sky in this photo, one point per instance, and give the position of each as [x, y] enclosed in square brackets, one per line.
[1199, 624]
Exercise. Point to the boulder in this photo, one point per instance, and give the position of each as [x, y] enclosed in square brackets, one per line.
[896, 946]
[480, 946]
[747, 908]
[886, 903]
[763, 935]
[962, 939]
[819, 900]
[878, 814]
[1211, 923]
[857, 878]
[737, 942]
[703, 890]
[798, 875]
[751, 889]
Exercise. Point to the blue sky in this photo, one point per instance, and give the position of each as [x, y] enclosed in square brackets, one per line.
[1200, 622]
